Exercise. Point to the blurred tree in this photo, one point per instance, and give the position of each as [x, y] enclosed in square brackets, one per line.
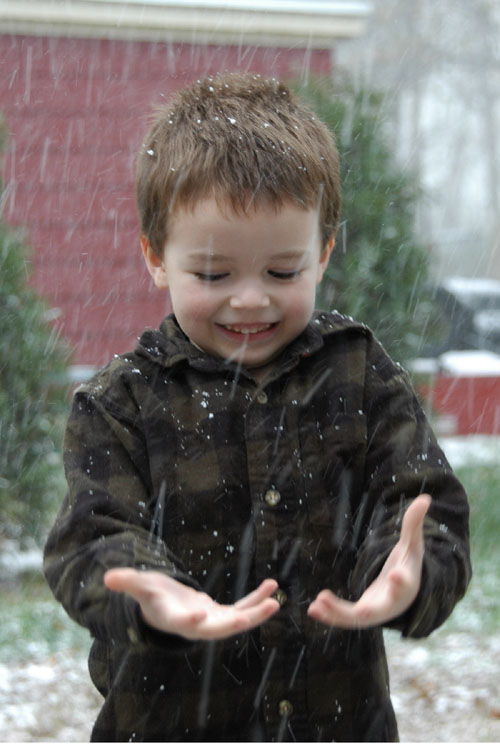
[379, 271]
[32, 400]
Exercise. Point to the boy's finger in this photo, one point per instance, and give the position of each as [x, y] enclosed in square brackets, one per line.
[265, 590]
[331, 607]
[234, 621]
[340, 613]
[333, 617]
[254, 616]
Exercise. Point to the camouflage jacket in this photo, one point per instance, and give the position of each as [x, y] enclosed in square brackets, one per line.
[181, 462]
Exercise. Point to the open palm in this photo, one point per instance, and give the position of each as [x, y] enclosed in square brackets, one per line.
[171, 606]
[394, 589]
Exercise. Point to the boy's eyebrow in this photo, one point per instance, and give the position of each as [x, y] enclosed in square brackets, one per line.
[204, 255]
[289, 254]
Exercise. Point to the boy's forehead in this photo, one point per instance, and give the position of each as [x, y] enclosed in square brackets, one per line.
[226, 209]
[208, 219]
[208, 234]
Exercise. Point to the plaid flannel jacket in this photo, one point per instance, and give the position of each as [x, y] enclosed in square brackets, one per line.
[180, 462]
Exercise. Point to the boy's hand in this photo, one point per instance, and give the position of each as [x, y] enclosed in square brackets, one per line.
[170, 606]
[394, 589]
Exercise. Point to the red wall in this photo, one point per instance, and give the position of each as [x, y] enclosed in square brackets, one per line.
[471, 403]
[76, 110]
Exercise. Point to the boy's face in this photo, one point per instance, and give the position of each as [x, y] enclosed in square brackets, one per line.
[242, 286]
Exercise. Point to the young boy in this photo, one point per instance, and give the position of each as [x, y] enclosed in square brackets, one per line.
[255, 490]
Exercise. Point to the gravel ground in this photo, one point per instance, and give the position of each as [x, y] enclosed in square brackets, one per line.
[445, 689]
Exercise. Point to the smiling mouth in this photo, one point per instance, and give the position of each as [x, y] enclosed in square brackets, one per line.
[249, 329]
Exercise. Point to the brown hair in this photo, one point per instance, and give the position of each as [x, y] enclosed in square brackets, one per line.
[242, 139]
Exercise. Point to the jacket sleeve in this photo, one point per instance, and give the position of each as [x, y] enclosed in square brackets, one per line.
[403, 461]
[107, 520]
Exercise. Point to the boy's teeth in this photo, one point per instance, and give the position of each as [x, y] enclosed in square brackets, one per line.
[249, 329]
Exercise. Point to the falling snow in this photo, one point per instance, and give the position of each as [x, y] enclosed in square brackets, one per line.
[440, 693]
[444, 688]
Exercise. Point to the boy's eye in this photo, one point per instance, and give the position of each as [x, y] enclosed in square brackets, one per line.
[284, 275]
[210, 276]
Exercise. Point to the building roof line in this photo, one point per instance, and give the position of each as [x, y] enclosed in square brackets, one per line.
[185, 20]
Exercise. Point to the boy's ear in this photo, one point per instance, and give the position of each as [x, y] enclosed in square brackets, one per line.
[325, 257]
[154, 264]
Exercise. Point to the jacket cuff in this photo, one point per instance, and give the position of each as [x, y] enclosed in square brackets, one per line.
[139, 633]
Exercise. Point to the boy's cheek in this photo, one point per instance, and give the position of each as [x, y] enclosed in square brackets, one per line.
[196, 304]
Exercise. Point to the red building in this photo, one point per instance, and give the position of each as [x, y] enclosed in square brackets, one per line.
[76, 92]
[461, 389]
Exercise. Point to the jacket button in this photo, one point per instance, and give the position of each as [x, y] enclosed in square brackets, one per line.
[262, 397]
[272, 497]
[285, 708]
[133, 637]
[280, 596]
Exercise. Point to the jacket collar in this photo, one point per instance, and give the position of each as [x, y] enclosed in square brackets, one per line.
[169, 347]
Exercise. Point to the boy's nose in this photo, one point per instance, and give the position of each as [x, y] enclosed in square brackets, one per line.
[250, 296]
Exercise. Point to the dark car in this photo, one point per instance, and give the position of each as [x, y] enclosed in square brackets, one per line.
[466, 315]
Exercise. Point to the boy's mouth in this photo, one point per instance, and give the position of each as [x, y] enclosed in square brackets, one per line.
[248, 328]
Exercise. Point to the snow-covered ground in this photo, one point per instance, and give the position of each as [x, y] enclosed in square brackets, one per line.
[445, 688]
[47, 700]
[471, 450]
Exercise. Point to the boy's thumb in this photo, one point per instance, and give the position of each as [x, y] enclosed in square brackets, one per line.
[119, 579]
[413, 519]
